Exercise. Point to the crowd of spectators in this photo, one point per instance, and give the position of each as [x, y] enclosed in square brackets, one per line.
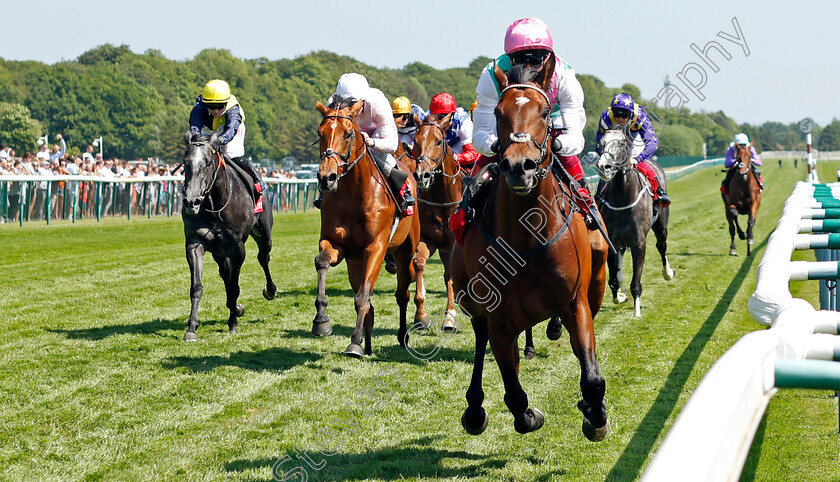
[116, 198]
[62, 195]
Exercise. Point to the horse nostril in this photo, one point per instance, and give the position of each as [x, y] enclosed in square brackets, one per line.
[504, 165]
[529, 165]
[332, 178]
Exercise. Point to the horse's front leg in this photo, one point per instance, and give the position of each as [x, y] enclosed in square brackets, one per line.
[660, 230]
[638, 253]
[229, 269]
[327, 256]
[578, 321]
[450, 323]
[421, 318]
[614, 262]
[731, 220]
[750, 225]
[263, 239]
[195, 258]
[405, 275]
[363, 278]
[503, 341]
[475, 418]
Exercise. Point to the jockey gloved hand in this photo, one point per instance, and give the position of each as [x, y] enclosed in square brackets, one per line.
[556, 145]
[634, 161]
[495, 146]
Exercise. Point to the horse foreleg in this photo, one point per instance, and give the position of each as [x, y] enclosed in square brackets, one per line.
[405, 274]
[195, 258]
[750, 225]
[734, 213]
[475, 418]
[327, 256]
[614, 262]
[731, 220]
[363, 278]
[229, 269]
[638, 253]
[592, 385]
[263, 239]
[450, 323]
[505, 348]
[421, 318]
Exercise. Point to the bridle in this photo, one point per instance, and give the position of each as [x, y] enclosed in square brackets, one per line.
[216, 170]
[346, 156]
[436, 165]
[522, 137]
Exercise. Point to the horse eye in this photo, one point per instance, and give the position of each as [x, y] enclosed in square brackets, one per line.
[440, 142]
[545, 114]
[497, 113]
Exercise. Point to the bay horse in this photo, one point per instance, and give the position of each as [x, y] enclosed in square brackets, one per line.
[440, 182]
[218, 216]
[625, 200]
[744, 197]
[357, 224]
[527, 257]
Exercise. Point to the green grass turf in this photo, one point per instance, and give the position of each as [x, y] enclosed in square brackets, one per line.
[97, 384]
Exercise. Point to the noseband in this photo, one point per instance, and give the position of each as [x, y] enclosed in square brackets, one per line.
[346, 156]
[436, 165]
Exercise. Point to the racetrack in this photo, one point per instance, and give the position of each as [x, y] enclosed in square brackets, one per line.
[97, 383]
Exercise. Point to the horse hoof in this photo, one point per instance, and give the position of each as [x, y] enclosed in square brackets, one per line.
[475, 429]
[554, 329]
[595, 434]
[321, 328]
[449, 325]
[354, 351]
[269, 295]
[732, 252]
[231, 328]
[240, 310]
[190, 336]
[530, 352]
[619, 298]
[422, 323]
[668, 274]
[533, 421]
[750, 242]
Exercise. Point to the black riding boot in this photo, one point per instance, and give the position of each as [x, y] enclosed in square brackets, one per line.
[248, 168]
[396, 180]
[724, 186]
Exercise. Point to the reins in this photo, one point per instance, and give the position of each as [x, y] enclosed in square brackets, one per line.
[346, 156]
[218, 166]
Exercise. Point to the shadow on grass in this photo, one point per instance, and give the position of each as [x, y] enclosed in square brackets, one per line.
[715, 255]
[754, 455]
[629, 464]
[414, 458]
[272, 359]
[145, 328]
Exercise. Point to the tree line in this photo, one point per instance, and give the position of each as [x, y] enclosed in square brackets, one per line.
[140, 103]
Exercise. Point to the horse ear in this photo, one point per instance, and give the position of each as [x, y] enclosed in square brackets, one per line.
[446, 122]
[544, 77]
[188, 136]
[356, 108]
[214, 139]
[321, 108]
[417, 119]
[500, 76]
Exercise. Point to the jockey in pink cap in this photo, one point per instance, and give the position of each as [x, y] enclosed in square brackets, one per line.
[528, 42]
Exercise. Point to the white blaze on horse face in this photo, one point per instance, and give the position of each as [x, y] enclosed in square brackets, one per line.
[520, 101]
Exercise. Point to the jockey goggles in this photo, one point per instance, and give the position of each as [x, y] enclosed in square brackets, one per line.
[531, 57]
[621, 113]
[215, 106]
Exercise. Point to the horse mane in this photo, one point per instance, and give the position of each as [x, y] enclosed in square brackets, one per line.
[338, 102]
[521, 74]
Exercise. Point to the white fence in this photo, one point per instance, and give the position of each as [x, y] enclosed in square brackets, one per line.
[712, 436]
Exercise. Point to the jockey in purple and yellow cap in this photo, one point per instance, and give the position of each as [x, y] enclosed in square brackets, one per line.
[528, 42]
[624, 112]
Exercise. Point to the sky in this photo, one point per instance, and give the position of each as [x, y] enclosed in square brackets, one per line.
[787, 70]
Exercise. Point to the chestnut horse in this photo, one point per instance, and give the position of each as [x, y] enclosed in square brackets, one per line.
[529, 256]
[744, 198]
[440, 182]
[357, 224]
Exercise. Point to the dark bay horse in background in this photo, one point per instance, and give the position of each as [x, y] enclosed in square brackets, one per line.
[527, 257]
[440, 182]
[357, 224]
[744, 198]
[218, 216]
[625, 200]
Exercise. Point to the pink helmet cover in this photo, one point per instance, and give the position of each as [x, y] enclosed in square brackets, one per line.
[528, 33]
